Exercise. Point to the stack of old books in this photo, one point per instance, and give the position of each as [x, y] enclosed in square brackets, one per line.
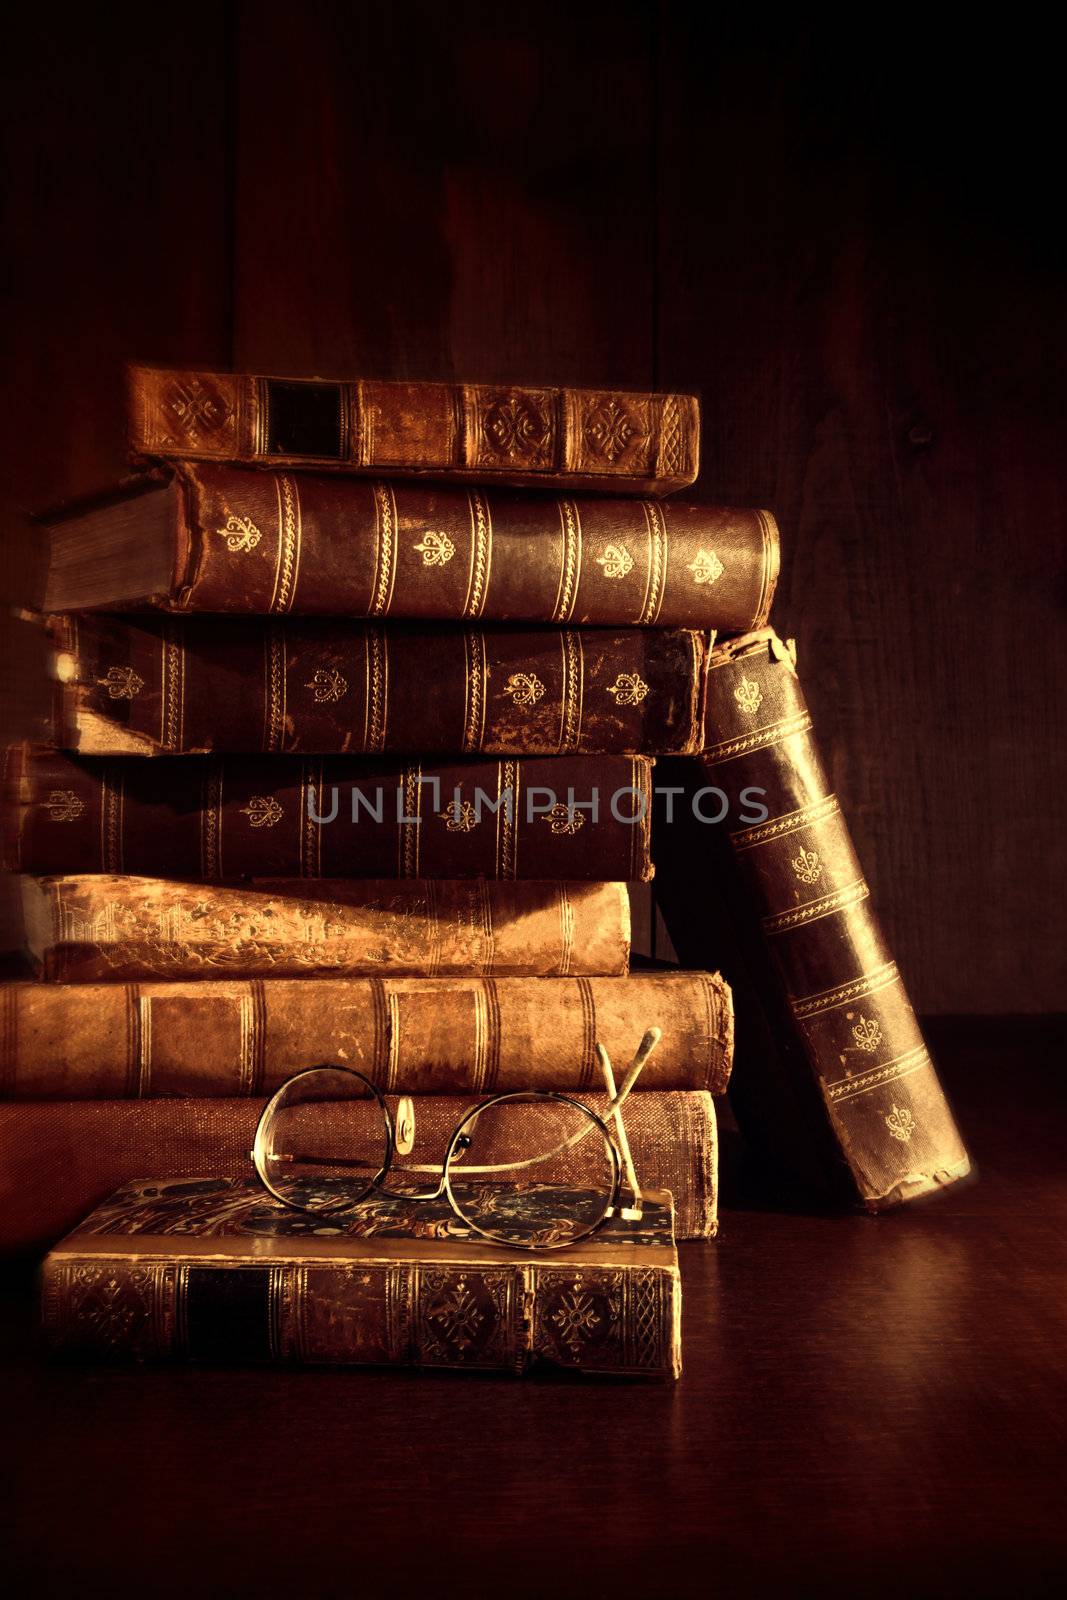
[351, 762]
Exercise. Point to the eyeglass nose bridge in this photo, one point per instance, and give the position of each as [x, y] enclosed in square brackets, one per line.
[404, 1126]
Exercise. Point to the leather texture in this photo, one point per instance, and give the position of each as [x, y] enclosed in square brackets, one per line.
[579, 438]
[804, 889]
[392, 1285]
[211, 818]
[410, 1035]
[150, 685]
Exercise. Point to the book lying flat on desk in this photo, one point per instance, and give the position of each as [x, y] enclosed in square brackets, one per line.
[621, 442]
[227, 539]
[214, 1270]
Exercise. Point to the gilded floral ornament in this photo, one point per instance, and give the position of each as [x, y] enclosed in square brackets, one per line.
[121, 683]
[327, 685]
[460, 819]
[63, 805]
[615, 561]
[564, 819]
[576, 1318]
[867, 1034]
[749, 696]
[706, 567]
[436, 549]
[609, 429]
[629, 689]
[901, 1123]
[240, 533]
[263, 811]
[525, 688]
[807, 866]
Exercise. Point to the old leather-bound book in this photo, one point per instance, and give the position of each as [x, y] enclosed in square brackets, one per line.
[226, 539]
[847, 1059]
[86, 927]
[621, 442]
[60, 1158]
[154, 685]
[208, 818]
[212, 1270]
[226, 1037]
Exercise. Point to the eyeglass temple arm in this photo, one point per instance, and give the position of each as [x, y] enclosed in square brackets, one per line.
[613, 1114]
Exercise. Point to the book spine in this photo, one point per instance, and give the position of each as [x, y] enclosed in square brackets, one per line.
[849, 1013]
[191, 685]
[596, 439]
[398, 1313]
[270, 543]
[206, 819]
[410, 1035]
[63, 1158]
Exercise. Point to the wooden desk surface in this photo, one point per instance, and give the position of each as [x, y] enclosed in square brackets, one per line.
[869, 1407]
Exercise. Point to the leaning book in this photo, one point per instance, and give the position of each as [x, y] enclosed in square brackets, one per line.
[211, 1270]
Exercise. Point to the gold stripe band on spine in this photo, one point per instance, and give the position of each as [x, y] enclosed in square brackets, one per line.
[484, 912]
[476, 674]
[570, 561]
[435, 940]
[275, 687]
[759, 739]
[260, 396]
[111, 818]
[570, 732]
[288, 564]
[492, 1023]
[657, 562]
[848, 1088]
[385, 562]
[259, 1036]
[133, 1040]
[377, 690]
[391, 1070]
[410, 829]
[587, 1060]
[381, 1031]
[566, 930]
[481, 554]
[144, 1045]
[789, 822]
[172, 686]
[799, 916]
[478, 1043]
[246, 1061]
[181, 1310]
[211, 823]
[858, 989]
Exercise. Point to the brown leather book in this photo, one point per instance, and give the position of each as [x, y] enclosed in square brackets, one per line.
[206, 818]
[610, 440]
[226, 539]
[210, 1271]
[90, 927]
[61, 1158]
[410, 1035]
[153, 685]
[840, 1016]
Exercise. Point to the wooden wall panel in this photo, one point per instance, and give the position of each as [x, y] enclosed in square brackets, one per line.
[438, 191]
[874, 331]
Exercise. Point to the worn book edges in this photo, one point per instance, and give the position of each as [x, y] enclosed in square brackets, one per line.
[207, 818]
[472, 1035]
[621, 442]
[213, 1270]
[195, 685]
[226, 539]
[850, 1061]
[59, 1159]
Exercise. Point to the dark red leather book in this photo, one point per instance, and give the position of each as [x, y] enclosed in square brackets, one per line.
[226, 539]
[174, 685]
[208, 818]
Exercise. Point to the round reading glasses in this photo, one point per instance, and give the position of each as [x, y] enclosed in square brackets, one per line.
[533, 1170]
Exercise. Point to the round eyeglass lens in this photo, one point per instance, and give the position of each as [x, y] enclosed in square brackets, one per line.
[532, 1170]
[324, 1140]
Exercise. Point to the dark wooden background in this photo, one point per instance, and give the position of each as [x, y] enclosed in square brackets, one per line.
[845, 241]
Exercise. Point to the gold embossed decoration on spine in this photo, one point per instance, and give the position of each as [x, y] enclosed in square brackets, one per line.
[804, 888]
